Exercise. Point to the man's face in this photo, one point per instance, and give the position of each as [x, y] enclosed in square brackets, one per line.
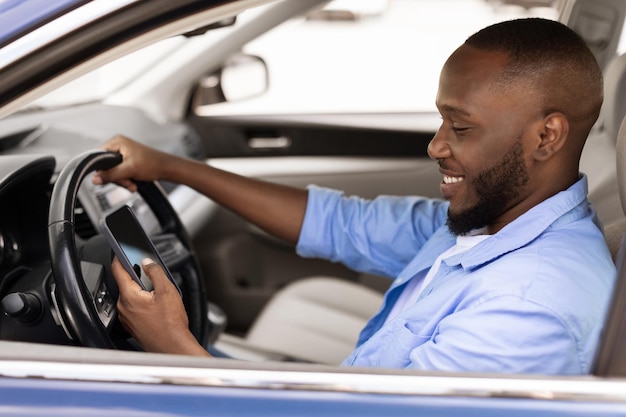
[481, 143]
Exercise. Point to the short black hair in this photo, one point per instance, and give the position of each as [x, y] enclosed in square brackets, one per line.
[553, 58]
[526, 39]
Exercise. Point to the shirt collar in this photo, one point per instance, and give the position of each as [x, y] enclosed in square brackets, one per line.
[565, 206]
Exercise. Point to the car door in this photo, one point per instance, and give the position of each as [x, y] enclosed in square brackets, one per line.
[348, 104]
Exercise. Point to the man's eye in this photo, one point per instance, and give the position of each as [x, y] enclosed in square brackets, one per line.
[459, 129]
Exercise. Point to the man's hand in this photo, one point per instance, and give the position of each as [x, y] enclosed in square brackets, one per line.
[156, 319]
[139, 162]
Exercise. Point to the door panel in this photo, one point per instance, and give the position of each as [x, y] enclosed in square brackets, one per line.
[244, 266]
[297, 135]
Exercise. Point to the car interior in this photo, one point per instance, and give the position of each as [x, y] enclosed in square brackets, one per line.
[247, 293]
[608, 361]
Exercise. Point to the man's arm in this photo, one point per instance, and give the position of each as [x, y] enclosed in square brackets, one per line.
[277, 209]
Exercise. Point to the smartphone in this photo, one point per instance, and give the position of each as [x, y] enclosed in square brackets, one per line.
[131, 245]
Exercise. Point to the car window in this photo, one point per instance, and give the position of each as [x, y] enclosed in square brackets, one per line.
[384, 59]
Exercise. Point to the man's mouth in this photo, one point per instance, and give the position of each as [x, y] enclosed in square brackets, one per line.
[451, 185]
[452, 180]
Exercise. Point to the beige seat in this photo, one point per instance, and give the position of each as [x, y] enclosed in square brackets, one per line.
[600, 146]
[609, 360]
[614, 231]
[612, 119]
[316, 319]
[614, 105]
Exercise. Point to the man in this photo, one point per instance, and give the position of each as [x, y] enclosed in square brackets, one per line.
[510, 274]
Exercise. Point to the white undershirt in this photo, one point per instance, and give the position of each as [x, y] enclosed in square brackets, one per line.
[416, 285]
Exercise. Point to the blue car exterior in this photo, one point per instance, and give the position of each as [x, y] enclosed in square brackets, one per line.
[57, 389]
[65, 398]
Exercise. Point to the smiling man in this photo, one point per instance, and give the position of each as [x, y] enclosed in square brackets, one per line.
[509, 273]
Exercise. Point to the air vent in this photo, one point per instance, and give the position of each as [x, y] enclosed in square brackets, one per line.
[82, 223]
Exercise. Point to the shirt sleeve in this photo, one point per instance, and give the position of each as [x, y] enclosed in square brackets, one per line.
[377, 236]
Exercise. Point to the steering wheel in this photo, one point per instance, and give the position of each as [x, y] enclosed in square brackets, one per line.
[84, 291]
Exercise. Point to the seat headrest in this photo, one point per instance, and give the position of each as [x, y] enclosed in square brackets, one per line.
[614, 106]
[620, 161]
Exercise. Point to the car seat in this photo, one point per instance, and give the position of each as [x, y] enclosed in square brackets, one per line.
[605, 189]
[316, 319]
[614, 231]
[609, 360]
[600, 145]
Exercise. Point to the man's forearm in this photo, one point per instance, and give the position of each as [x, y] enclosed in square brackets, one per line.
[275, 208]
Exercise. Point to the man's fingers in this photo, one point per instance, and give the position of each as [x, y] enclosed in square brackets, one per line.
[113, 144]
[102, 178]
[122, 173]
[156, 275]
[124, 281]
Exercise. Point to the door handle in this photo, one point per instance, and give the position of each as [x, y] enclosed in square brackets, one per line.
[277, 142]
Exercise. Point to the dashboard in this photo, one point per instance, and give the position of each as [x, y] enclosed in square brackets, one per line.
[25, 278]
[34, 147]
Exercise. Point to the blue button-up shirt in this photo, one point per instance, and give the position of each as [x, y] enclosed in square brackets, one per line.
[528, 299]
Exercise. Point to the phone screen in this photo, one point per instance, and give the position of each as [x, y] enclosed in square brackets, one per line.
[124, 232]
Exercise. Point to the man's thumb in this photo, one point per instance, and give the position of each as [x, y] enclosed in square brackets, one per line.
[156, 274]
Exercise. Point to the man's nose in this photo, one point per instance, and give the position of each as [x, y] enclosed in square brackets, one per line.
[438, 147]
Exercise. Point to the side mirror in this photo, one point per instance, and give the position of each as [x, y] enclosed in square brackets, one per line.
[242, 77]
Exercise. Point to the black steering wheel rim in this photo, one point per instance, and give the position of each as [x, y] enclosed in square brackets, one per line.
[76, 303]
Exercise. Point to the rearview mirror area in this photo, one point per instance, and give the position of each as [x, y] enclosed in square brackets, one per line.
[241, 77]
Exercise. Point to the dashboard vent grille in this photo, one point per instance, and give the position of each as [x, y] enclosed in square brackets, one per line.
[82, 223]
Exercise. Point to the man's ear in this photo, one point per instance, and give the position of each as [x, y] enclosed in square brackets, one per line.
[553, 135]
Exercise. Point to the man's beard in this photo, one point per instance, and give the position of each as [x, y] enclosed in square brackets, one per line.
[496, 188]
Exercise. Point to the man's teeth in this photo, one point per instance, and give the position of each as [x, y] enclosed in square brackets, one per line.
[451, 180]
